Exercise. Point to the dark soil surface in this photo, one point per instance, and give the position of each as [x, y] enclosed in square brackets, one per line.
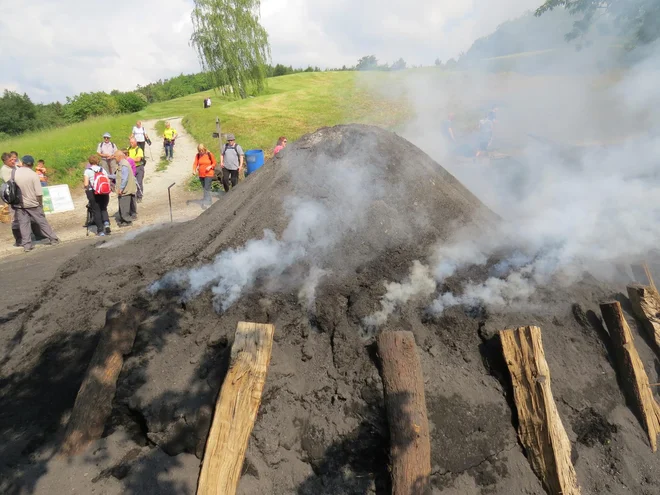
[321, 427]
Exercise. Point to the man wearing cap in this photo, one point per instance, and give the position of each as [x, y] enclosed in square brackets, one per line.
[106, 150]
[31, 207]
[231, 161]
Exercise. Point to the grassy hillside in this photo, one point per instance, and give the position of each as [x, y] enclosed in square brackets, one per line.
[297, 104]
[293, 105]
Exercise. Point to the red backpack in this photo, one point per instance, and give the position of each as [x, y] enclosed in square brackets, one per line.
[101, 183]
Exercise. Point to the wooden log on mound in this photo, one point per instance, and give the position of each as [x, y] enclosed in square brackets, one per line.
[643, 276]
[236, 409]
[540, 428]
[646, 308]
[632, 372]
[94, 400]
[403, 383]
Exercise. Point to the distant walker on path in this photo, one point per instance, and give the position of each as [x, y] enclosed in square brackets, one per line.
[169, 135]
[140, 135]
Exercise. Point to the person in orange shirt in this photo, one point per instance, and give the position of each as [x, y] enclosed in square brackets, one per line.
[204, 166]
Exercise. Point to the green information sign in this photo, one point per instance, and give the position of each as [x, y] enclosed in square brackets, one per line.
[48, 202]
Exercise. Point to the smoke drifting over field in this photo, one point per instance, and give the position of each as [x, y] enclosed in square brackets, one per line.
[579, 191]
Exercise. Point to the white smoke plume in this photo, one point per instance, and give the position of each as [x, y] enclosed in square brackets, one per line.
[307, 293]
[580, 196]
[420, 283]
[317, 222]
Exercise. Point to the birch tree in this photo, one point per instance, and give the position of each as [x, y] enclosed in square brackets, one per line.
[231, 43]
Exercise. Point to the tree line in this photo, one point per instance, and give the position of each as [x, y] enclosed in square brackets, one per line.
[18, 114]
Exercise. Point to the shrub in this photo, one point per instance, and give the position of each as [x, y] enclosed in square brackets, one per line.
[130, 102]
[85, 105]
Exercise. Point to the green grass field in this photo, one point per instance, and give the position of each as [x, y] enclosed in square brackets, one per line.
[292, 106]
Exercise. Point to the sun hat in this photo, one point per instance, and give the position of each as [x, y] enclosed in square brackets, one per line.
[107, 134]
[231, 137]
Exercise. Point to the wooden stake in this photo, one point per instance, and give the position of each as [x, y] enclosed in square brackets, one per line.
[540, 428]
[236, 409]
[94, 400]
[642, 275]
[403, 383]
[647, 272]
[631, 368]
[646, 308]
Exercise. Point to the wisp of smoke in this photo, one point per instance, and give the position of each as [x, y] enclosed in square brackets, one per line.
[307, 293]
[129, 236]
[420, 283]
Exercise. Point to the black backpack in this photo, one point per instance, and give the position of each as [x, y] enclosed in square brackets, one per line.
[11, 193]
[235, 148]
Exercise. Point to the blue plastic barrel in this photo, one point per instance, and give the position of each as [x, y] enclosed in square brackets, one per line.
[255, 159]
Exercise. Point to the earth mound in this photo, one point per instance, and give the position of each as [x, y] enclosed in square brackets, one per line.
[306, 244]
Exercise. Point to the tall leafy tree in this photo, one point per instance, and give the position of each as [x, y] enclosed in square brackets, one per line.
[17, 113]
[368, 62]
[638, 19]
[231, 43]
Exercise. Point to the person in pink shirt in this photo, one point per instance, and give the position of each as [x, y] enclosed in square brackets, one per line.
[281, 144]
[131, 162]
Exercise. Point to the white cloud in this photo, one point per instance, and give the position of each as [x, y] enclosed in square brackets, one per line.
[77, 45]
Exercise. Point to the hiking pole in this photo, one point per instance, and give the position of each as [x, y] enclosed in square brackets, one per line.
[169, 195]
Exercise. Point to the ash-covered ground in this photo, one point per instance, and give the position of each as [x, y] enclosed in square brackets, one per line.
[345, 210]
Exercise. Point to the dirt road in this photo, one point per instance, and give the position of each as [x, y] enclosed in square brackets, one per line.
[154, 207]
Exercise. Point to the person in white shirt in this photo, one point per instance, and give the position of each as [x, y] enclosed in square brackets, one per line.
[140, 134]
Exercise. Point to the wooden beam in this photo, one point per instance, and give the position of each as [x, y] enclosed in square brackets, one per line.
[540, 429]
[236, 409]
[632, 372]
[94, 400]
[403, 383]
[646, 308]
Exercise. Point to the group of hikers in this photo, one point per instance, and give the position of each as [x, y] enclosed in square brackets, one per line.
[120, 171]
[110, 170]
[476, 145]
[22, 191]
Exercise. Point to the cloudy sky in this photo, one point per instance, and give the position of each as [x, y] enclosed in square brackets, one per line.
[53, 49]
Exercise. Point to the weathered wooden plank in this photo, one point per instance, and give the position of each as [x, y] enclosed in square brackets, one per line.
[646, 308]
[632, 372]
[540, 429]
[236, 409]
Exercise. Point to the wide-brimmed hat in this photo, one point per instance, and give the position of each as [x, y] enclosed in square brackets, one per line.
[231, 137]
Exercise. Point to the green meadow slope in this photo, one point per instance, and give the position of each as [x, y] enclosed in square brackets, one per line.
[293, 105]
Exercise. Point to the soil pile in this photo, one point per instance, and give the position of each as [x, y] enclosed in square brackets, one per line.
[361, 204]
